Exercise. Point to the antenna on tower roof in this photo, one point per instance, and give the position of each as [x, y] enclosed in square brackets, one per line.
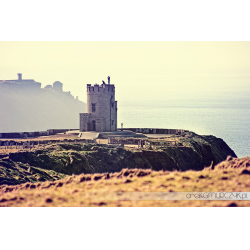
[108, 79]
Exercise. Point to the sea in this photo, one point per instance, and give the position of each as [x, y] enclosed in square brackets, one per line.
[223, 114]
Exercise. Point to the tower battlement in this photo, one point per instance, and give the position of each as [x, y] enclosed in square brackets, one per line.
[101, 88]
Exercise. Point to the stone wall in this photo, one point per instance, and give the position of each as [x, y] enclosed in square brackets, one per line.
[31, 143]
[24, 134]
[156, 131]
[34, 134]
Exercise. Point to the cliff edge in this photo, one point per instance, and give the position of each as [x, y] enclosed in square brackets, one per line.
[190, 152]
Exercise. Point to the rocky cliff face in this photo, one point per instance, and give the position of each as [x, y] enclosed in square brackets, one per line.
[195, 153]
[198, 151]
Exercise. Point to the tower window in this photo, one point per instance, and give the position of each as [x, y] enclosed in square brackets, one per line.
[112, 104]
[112, 122]
[93, 107]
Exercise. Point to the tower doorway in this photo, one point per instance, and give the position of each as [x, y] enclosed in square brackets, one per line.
[93, 125]
[89, 126]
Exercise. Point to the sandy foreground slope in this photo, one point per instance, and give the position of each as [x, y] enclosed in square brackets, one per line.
[232, 175]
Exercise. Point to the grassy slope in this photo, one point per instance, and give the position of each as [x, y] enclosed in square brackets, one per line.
[12, 173]
[105, 189]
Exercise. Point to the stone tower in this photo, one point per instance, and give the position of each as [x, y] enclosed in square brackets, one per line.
[101, 113]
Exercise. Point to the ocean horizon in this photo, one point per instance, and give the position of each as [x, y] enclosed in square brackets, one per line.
[225, 115]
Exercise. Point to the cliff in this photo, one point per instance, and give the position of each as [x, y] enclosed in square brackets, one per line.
[192, 152]
[25, 106]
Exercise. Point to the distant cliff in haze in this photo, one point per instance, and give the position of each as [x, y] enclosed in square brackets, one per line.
[25, 106]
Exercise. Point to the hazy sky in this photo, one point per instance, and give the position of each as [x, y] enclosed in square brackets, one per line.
[138, 69]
